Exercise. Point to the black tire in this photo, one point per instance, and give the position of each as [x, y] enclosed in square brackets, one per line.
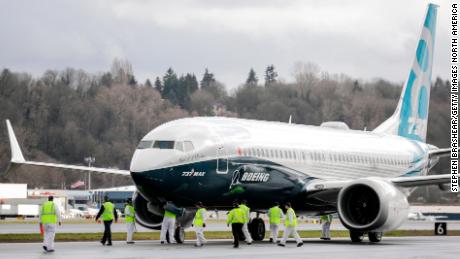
[356, 236]
[179, 235]
[257, 229]
[375, 237]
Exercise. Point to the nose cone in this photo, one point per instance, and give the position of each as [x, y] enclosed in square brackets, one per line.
[148, 159]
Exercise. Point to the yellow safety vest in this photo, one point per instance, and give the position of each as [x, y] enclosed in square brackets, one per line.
[274, 215]
[199, 220]
[130, 217]
[48, 213]
[169, 214]
[245, 210]
[107, 215]
[326, 218]
[287, 222]
[235, 216]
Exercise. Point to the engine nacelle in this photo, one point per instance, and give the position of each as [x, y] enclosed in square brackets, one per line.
[150, 214]
[372, 204]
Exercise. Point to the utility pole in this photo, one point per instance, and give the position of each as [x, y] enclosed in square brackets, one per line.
[90, 160]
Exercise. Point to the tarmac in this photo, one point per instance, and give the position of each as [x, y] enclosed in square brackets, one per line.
[390, 247]
[18, 228]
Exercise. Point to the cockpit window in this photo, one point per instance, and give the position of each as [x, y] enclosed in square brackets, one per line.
[188, 146]
[144, 144]
[164, 144]
[179, 146]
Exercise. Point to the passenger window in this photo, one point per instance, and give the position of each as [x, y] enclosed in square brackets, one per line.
[145, 144]
[163, 144]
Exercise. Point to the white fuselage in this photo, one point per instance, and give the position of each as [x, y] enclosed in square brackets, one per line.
[319, 152]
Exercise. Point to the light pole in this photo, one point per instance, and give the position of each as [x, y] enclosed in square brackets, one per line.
[90, 160]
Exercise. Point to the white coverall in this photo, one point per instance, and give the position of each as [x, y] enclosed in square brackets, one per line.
[50, 230]
[326, 227]
[167, 225]
[200, 240]
[130, 227]
[290, 230]
[274, 229]
[247, 235]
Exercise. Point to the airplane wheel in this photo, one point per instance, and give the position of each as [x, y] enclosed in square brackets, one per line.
[257, 229]
[375, 237]
[167, 237]
[356, 236]
[179, 235]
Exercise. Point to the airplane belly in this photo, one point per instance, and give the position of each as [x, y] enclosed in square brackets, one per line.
[259, 182]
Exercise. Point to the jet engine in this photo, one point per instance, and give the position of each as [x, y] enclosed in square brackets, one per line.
[149, 214]
[372, 204]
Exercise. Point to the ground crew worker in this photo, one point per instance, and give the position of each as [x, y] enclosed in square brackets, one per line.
[247, 216]
[326, 221]
[275, 214]
[168, 225]
[199, 223]
[130, 221]
[49, 216]
[236, 218]
[108, 214]
[290, 224]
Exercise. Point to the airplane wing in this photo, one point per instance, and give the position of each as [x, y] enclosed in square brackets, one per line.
[17, 159]
[406, 181]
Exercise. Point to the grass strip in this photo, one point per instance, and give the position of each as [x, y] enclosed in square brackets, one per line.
[68, 237]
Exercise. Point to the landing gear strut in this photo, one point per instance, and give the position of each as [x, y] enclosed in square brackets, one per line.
[257, 229]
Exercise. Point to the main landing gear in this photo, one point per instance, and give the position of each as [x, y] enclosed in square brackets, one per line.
[358, 236]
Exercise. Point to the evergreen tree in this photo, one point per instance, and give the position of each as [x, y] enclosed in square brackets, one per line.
[208, 79]
[252, 78]
[148, 83]
[270, 75]
[171, 86]
[158, 85]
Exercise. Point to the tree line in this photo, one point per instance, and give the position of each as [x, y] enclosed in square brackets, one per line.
[64, 116]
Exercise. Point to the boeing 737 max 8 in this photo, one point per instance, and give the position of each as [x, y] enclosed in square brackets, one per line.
[363, 176]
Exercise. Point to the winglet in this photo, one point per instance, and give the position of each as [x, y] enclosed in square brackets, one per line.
[16, 153]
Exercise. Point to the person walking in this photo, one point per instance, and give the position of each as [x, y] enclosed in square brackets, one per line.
[236, 218]
[199, 223]
[168, 224]
[247, 216]
[290, 223]
[130, 215]
[108, 214]
[49, 216]
[326, 220]
[275, 214]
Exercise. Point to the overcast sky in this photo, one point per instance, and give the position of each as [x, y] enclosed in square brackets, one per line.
[364, 39]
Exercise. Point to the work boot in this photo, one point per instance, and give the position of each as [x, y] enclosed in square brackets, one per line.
[44, 248]
[162, 242]
[109, 244]
[50, 251]
[280, 244]
[103, 243]
[130, 243]
[300, 244]
[271, 240]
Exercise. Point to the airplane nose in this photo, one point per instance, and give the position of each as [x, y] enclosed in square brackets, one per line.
[148, 159]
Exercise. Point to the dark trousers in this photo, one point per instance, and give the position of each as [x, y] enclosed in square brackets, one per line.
[107, 232]
[237, 228]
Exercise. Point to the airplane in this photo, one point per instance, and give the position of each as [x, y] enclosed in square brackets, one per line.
[364, 176]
